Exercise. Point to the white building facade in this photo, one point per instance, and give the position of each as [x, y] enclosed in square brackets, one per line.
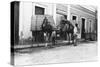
[84, 17]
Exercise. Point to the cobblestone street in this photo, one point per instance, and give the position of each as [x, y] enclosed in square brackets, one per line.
[70, 53]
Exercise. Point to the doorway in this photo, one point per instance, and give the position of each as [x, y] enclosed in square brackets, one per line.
[83, 28]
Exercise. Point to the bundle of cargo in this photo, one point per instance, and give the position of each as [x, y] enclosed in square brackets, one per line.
[37, 21]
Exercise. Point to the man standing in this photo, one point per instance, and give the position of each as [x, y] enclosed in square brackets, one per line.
[76, 32]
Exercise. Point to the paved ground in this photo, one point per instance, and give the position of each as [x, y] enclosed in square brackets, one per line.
[59, 54]
[38, 44]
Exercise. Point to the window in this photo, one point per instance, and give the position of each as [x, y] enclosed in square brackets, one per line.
[39, 10]
[73, 17]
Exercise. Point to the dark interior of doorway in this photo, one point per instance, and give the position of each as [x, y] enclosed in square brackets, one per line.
[83, 28]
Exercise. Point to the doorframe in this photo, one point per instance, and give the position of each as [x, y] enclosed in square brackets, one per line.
[84, 25]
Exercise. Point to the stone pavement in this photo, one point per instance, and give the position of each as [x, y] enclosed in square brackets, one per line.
[62, 54]
[42, 44]
[37, 45]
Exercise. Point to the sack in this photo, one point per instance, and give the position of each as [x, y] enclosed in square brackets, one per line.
[78, 30]
[75, 36]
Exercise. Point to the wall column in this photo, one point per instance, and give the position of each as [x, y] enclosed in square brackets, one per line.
[54, 13]
[68, 15]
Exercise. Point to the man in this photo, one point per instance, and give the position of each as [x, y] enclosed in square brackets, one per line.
[76, 32]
